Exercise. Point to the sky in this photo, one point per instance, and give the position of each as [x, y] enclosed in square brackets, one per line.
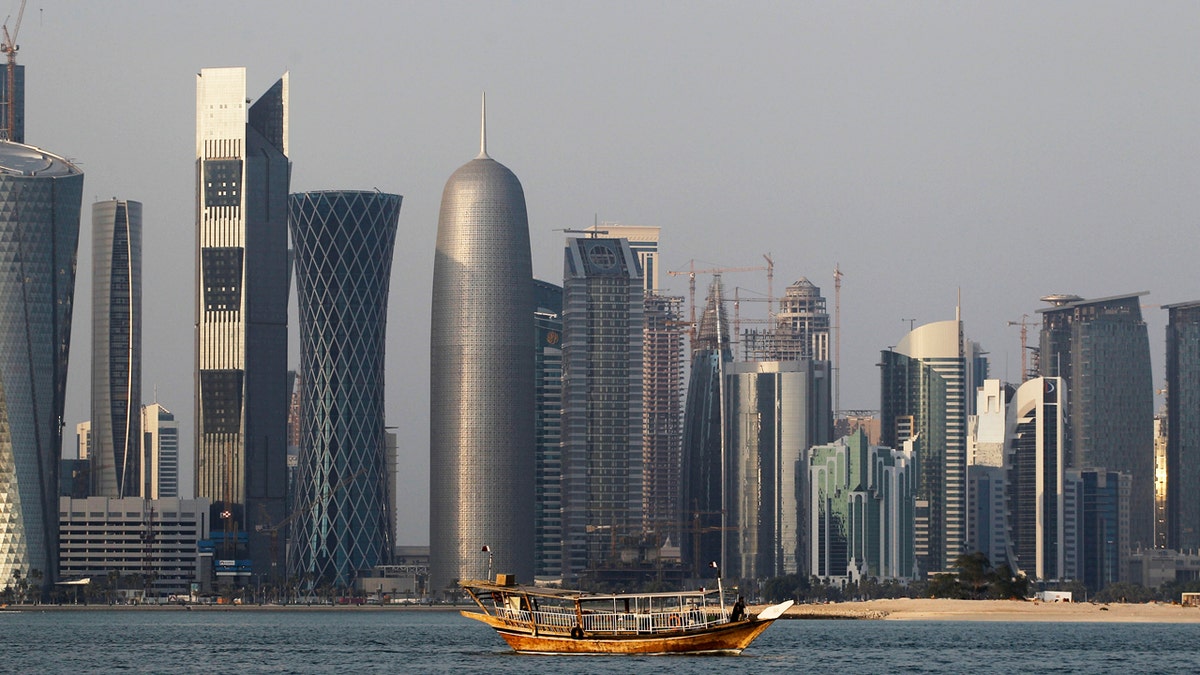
[998, 150]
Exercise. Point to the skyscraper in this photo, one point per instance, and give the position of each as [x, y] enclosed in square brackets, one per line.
[160, 452]
[925, 381]
[344, 242]
[602, 402]
[1183, 426]
[547, 358]
[242, 174]
[662, 415]
[775, 411]
[40, 199]
[116, 349]
[17, 99]
[481, 413]
[701, 500]
[1101, 350]
[643, 239]
[1037, 481]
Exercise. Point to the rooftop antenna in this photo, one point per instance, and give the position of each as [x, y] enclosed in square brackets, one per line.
[483, 129]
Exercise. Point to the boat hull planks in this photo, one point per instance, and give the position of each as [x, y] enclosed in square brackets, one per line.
[728, 638]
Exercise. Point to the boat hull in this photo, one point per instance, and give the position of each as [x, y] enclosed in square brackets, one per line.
[728, 638]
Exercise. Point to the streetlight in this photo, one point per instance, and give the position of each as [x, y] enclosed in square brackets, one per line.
[488, 550]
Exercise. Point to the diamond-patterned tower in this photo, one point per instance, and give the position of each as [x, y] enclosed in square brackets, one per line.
[481, 413]
[343, 251]
[40, 200]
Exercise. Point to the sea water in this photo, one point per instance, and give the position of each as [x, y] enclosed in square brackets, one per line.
[244, 640]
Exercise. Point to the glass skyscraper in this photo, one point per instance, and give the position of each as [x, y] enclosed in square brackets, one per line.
[701, 500]
[1101, 350]
[547, 358]
[242, 174]
[116, 349]
[40, 199]
[602, 402]
[481, 416]
[344, 242]
[1183, 426]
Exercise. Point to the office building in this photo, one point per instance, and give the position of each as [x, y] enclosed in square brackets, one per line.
[775, 411]
[40, 200]
[1037, 481]
[702, 498]
[116, 462]
[643, 239]
[925, 383]
[1098, 503]
[602, 403]
[547, 359]
[153, 544]
[988, 432]
[662, 414]
[160, 452]
[481, 419]
[1101, 350]
[344, 242]
[242, 173]
[1183, 427]
[860, 510]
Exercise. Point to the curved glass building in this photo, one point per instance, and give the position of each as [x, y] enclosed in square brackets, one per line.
[40, 199]
[116, 469]
[481, 415]
[343, 243]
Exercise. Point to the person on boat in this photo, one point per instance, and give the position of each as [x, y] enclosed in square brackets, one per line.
[739, 610]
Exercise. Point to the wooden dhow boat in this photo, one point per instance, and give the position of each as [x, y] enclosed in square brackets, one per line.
[535, 620]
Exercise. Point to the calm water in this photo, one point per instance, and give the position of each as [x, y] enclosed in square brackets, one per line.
[247, 641]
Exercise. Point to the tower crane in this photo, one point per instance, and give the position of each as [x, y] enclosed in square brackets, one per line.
[9, 46]
[1024, 324]
[691, 273]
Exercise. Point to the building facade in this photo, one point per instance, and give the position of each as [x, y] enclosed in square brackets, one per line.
[860, 509]
[40, 200]
[662, 415]
[925, 383]
[160, 452]
[1101, 350]
[547, 359]
[1183, 427]
[775, 412]
[1037, 486]
[643, 239]
[481, 379]
[153, 544]
[602, 403]
[242, 174]
[702, 498]
[17, 101]
[116, 349]
[344, 242]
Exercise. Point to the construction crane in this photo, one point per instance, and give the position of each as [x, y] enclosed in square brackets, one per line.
[691, 273]
[1024, 324]
[9, 46]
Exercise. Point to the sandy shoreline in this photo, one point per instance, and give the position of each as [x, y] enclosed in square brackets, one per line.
[924, 609]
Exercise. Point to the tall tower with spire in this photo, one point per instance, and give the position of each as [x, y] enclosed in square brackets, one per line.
[481, 413]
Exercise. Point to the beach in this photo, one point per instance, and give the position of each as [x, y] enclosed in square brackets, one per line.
[929, 609]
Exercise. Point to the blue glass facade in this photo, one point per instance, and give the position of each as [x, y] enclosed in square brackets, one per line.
[40, 199]
[343, 251]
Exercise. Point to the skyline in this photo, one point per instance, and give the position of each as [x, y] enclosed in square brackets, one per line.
[1008, 150]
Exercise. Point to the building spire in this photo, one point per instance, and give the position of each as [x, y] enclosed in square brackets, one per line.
[483, 129]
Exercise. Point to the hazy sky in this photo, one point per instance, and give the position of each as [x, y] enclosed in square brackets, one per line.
[1009, 150]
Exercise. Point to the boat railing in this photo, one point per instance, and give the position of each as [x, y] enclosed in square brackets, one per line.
[618, 622]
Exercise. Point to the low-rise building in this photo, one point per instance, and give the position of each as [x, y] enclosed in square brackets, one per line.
[150, 543]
